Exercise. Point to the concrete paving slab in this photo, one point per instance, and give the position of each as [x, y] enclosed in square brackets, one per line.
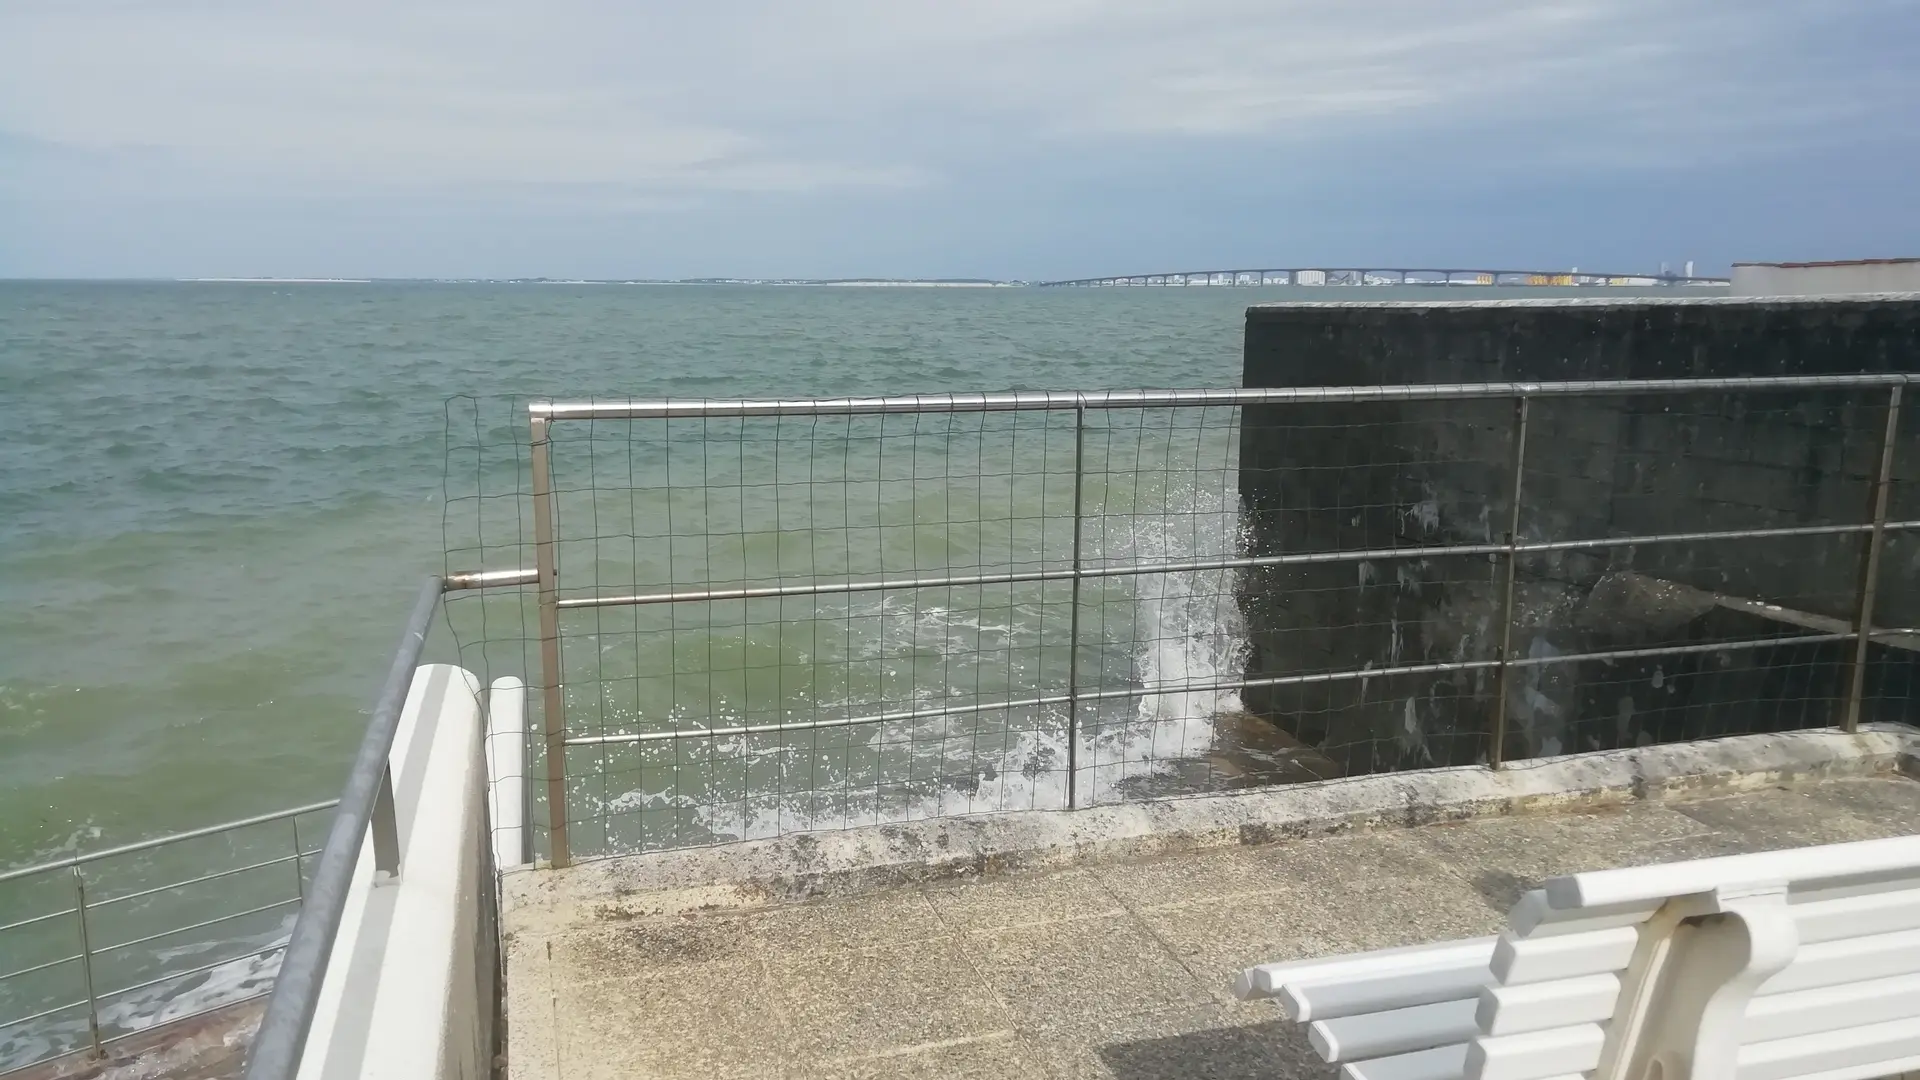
[1312, 898]
[999, 1056]
[1504, 857]
[639, 947]
[1207, 1041]
[1080, 972]
[1115, 969]
[1780, 819]
[1887, 809]
[690, 1020]
[885, 917]
[870, 1002]
[1026, 900]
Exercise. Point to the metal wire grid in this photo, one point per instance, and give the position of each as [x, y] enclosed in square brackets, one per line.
[487, 527]
[101, 947]
[1618, 628]
[787, 682]
[780, 616]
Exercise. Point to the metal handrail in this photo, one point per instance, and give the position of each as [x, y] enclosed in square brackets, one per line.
[366, 804]
[1508, 550]
[1041, 400]
[163, 841]
[83, 905]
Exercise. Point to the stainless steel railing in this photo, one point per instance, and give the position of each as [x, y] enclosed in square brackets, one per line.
[95, 890]
[1509, 549]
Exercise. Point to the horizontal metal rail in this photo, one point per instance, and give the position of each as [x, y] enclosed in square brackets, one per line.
[1042, 400]
[163, 841]
[490, 579]
[209, 966]
[42, 1014]
[43, 966]
[1163, 689]
[95, 905]
[762, 592]
[202, 925]
[61, 914]
[819, 725]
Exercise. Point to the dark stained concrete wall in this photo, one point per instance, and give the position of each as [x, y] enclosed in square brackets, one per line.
[1350, 477]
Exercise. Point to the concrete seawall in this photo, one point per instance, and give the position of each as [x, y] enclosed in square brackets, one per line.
[1342, 477]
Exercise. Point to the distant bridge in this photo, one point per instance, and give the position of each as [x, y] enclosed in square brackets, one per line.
[1355, 275]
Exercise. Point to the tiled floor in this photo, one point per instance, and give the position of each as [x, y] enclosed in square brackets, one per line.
[1111, 971]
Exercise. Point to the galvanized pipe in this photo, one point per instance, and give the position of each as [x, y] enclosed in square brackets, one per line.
[1310, 558]
[215, 921]
[818, 725]
[282, 1036]
[1449, 666]
[490, 579]
[86, 959]
[162, 841]
[1496, 752]
[1157, 689]
[1073, 619]
[1870, 564]
[1028, 400]
[552, 694]
[299, 868]
[203, 878]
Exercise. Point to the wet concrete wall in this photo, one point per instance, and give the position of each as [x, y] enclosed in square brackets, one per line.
[1395, 475]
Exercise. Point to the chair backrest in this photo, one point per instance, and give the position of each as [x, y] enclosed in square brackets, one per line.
[1801, 963]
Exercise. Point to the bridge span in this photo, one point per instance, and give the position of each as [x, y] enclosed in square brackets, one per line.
[1354, 275]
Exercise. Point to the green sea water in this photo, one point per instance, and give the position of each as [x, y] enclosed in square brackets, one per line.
[217, 501]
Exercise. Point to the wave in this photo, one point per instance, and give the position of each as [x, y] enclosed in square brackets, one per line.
[1182, 629]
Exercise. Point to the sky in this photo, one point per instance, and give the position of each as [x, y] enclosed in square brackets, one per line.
[993, 138]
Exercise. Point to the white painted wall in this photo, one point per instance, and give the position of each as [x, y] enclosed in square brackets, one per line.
[405, 994]
[1765, 279]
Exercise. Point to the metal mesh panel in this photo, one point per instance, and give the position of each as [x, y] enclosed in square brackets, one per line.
[773, 617]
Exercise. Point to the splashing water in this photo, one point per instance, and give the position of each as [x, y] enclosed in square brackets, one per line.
[1184, 628]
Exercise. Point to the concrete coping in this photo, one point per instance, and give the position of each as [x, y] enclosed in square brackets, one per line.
[803, 865]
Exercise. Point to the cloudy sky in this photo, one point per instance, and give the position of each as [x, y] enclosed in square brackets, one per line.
[1003, 138]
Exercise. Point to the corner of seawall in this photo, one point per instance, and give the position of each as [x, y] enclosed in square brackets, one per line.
[759, 872]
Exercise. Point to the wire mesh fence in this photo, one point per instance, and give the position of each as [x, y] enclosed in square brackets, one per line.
[102, 947]
[757, 618]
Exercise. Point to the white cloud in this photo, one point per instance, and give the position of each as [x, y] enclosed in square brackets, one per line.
[758, 95]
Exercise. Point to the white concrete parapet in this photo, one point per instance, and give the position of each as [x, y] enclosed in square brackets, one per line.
[507, 771]
[405, 994]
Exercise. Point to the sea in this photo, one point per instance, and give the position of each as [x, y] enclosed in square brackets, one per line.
[217, 501]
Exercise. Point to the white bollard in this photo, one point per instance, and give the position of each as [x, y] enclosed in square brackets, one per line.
[507, 771]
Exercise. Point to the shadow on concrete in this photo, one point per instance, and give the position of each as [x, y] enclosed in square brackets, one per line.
[1272, 1051]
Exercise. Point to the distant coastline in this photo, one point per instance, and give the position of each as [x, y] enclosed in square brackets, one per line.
[907, 283]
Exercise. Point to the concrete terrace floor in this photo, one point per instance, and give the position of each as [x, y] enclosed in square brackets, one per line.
[1107, 970]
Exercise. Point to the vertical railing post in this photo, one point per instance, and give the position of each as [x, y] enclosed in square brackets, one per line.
[1870, 563]
[385, 827]
[1497, 749]
[1073, 620]
[86, 960]
[553, 700]
[299, 864]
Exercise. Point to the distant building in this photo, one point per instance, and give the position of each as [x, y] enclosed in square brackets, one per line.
[1826, 278]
